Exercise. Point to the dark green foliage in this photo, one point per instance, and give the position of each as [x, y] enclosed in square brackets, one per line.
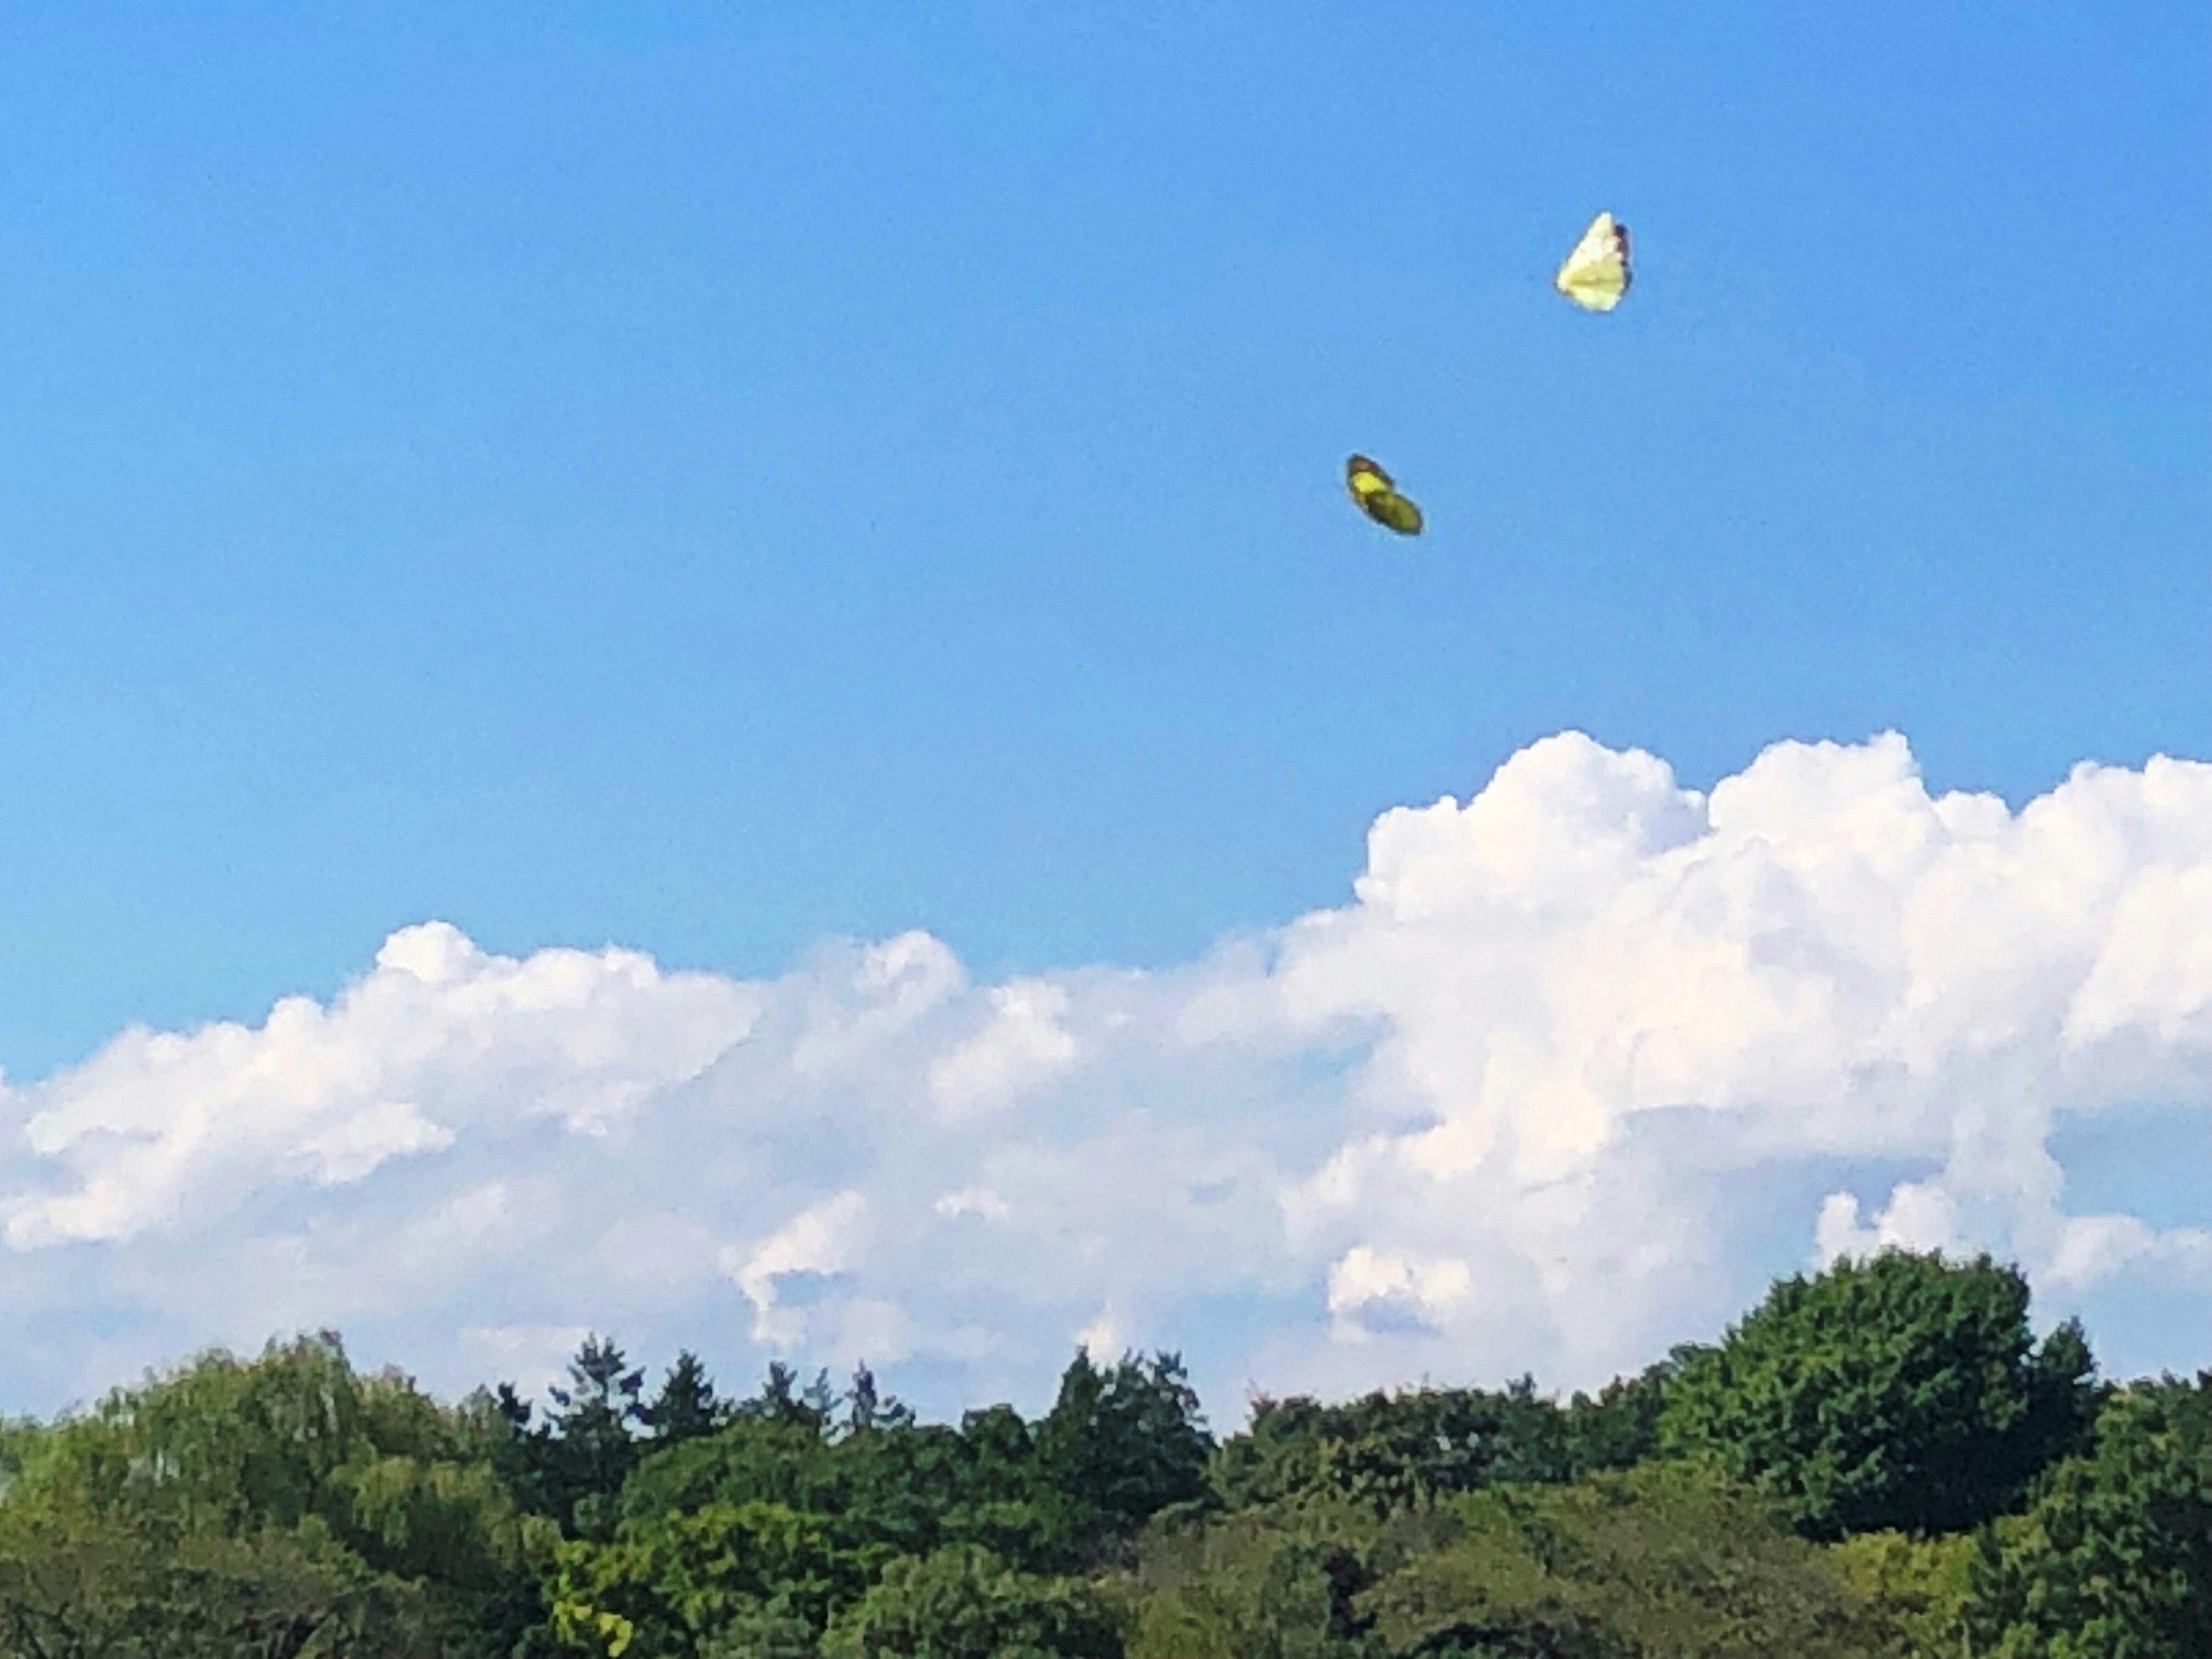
[1117, 1447]
[1257, 1584]
[749, 1458]
[1531, 1442]
[20, 1440]
[1548, 1633]
[963, 1602]
[524, 1456]
[685, 1564]
[683, 1560]
[1619, 1428]
[761, 1634]
[75, 1582]
[664, 1584]
[285, 1506]
[1901, 1392]
[2114, 1560]
[781, 1402]
[1308, 1602]
[1389, 1451]
[866, 1409]
[918, 1487]
[1663, 1562]
[686, 1407]
[593, 1449]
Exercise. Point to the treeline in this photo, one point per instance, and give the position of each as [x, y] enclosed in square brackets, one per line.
[1878, 1462]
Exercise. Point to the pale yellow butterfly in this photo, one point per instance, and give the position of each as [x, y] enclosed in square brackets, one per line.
[1595, 275]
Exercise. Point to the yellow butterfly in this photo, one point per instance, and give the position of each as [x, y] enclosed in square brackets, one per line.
[1595, 275]
[1378, 498]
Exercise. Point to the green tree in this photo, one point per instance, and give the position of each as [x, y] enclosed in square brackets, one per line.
[1902, 1392]
[1917, 1584]
[1280, 1582]
[229, 1444]
[1661, 1562]
[22, 1438]
[285, 1594]
[1120, 1445]
[1389, 1451]
[448, 1525]
[79, 1580]
[866, 1409]
[663, 1585]
[686, 1407]
[72, 1579]
[227, 1480]
[1308, 1603]
[748, 1460]
[898, 1490]
[761, 1633]
[1619, 1428]
[571, 1466]
[2114, 1560]
[780, 1400]
[963, 1602]
[1548, 1632]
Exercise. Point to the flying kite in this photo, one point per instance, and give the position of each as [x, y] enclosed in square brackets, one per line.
[1378, 498]
[1595, 275]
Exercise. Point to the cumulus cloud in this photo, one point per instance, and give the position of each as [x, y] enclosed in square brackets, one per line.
[823, 1238]
[1584, 1061]
[1023, 1047]
[162, 1131]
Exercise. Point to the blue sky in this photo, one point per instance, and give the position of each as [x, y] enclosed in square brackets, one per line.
[719, 480]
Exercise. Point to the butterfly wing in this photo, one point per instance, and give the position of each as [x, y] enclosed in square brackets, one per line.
[1398, 512]
[1365, 479]
[1595, 275]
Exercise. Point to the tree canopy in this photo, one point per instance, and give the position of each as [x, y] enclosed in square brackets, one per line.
[1878, 1461]
[1904, 1391]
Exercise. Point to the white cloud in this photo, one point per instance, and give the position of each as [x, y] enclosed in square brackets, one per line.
[823, 1238]
[973, 1201]
[1024, 1047]
[2095, 1248]
[1584, 1061]
[1426, 1289]
[353, 1146]
[169, 1132]
[1920, 1216]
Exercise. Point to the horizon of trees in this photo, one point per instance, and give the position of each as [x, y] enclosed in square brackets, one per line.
[1877, 1460]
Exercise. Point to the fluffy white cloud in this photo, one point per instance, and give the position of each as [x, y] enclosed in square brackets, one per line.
[162, 1131]
[1586, 1058]
[825, 1239]
[1023, 1047]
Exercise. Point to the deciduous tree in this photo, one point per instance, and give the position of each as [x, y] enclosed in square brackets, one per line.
[1903, 1392]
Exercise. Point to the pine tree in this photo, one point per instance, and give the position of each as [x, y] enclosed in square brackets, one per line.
[686, 1407]
[866, 1409]
[592, 1426]
[780, 1400]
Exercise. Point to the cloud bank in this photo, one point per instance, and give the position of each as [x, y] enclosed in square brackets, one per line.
[1586, 1059]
